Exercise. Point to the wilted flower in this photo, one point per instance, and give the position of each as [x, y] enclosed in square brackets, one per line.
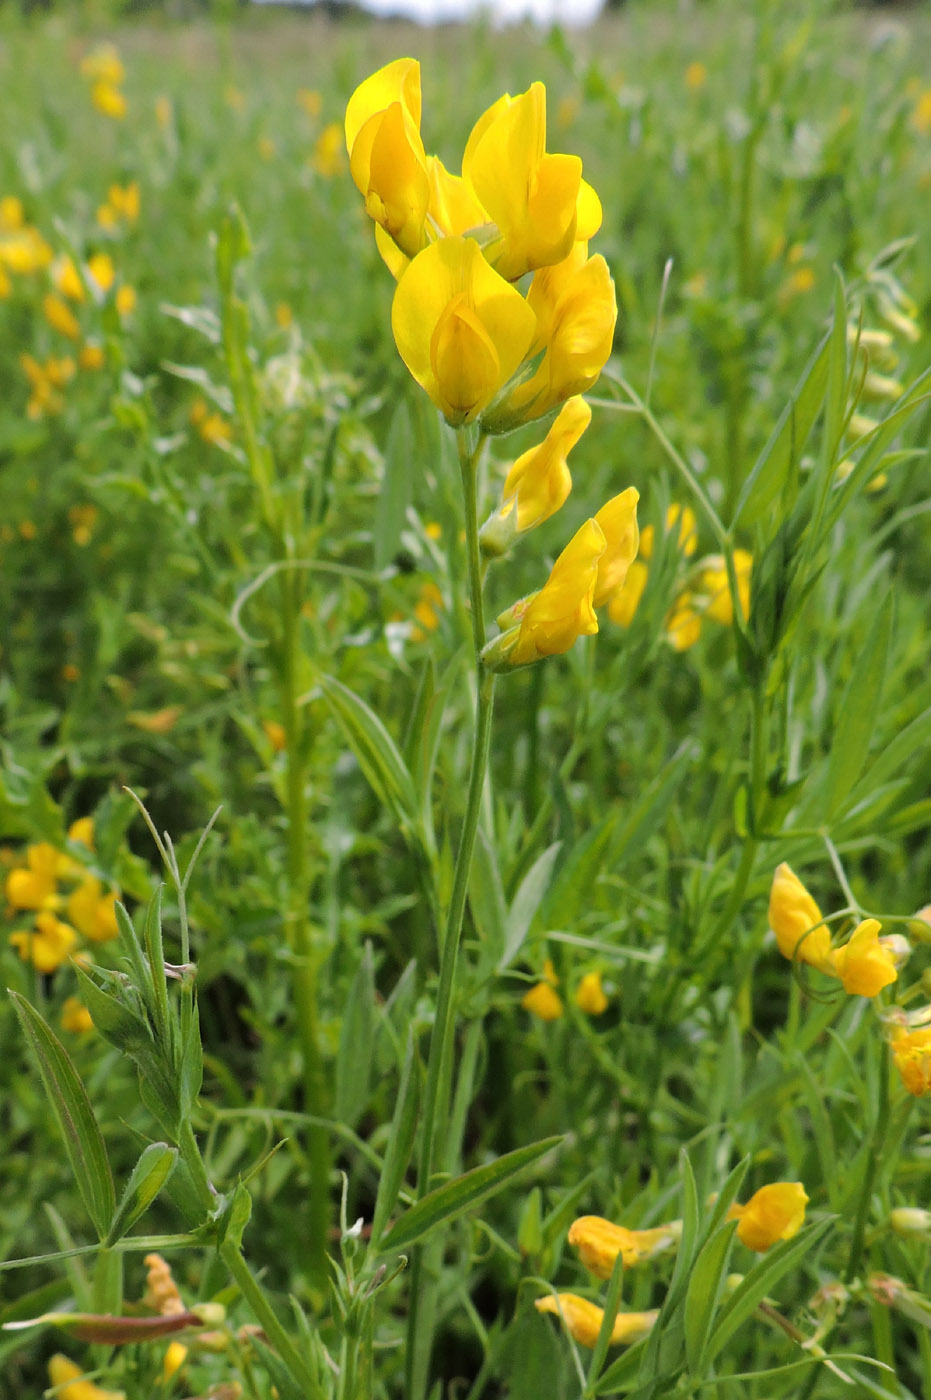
[583, 1319]
[775, 1212]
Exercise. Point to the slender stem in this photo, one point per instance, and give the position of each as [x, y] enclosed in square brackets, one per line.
[439, 1060]
[304, 970]
[877, 1141]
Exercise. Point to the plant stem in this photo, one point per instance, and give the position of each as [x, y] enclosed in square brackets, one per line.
[877, 1142]
[439, 1060]
[304, 967]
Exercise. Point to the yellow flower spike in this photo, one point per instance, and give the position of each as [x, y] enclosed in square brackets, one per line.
[911, 1053]
[624, 603]
[864, 964]
[532, 197]
[48, 945]
[562, 611]
[68, 1385]
[775, 1212]
[461, 329]
[576, 311]
[60, 316]
[795, 919]
[600, 1241]
[582, 1320]
[714, 584]
[36, 887]
[539, 481]
[92, 912]
[590, 996]
[75, 1017]
[618, 521]
[387, 160]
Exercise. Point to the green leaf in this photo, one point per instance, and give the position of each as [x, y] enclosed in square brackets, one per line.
[525, 904]
[72, 1108]
[453, 1199]
[706, 1284]
[770, 473]
[356, 1037]
[914, 738]
[486, 897]
[397, 486]
[856, 718]
[758, 1282]
[651, 807]
[148, 1177]
[578, 871]
[400, 1142]
[376, 752]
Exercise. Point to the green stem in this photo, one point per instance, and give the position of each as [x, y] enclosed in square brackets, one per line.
[304, 967]
[439, 1060]
[873, 1161]
[242, 1274]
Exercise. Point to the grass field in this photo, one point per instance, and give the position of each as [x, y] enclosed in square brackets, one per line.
[372, 993]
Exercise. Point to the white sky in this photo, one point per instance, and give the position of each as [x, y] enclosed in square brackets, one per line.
[544, 12]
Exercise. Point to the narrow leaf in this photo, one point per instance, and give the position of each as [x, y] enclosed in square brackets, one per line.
[857, 716]
[526, 902]
[400, 1142]
[148, 1177]
[397, 486]
[706, 1284]
[72, 1108]
[354, 1058]
[453, 1199]
[376, 752]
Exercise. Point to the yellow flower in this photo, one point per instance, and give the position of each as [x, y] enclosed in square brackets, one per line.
[687, 538]
[100, 268]
[163, 111]
[864, 964]
[562, 611]
[454, 206]
[387, 160]
[75, 1017]
[212, 427]
[921, 117]
[108, 100]
[576, 311]
[66, 1379]
[911, 1053]
[543, 1001]
[36, 887]
[533, 198]
[82, 520]
[775, 1212]
[48, 945]
[275, 734]
[328, 159]
[696, 75]
[175, 1353]
[427, 611]
[24, 251]
[582, 1320]
[92, 912]
[311, 101]
[713, 583]
[67, 279]
[624, 603]
[103, 64]
[618, 521]
[795, 919]
[461, 329]
[82, 830]
[125, 299]
[539, 482]
[91, 356]
[12, 216]
[60, 316]
[599, 1243]
[683, 625]
[590, 996]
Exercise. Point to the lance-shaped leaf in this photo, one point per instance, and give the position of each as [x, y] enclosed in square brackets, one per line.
[149, 1176]
[454, 1198]
[72, 1108]
[376, 752]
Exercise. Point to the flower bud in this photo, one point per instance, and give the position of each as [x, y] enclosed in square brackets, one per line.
[911, 1222]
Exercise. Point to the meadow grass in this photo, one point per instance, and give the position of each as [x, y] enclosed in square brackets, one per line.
[354, 1059]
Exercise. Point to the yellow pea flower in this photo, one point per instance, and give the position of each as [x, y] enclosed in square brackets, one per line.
[531, 196]
[101, 270]
[60, 316]
[66, 1380]
[599, 1243]
[576, 311]
[91, 356]
[865, 964]
[795, 919]
[108, 100]
[75, 1017]
[387, 160]
[538, 482]
[454, 207]
[12, 214]
[683, 625]
[687, 536]
[590, 996]
[125, 299]
[713, 583]
[36, 887]
[92, 912]
[624, 603]
[48, 945]
[543, 1001]
[103, 64]
[328, 158]
[459, 327]
[582, 1320]
[562, 611]
[618, 521]
[911, 1054]
[775, 1212]
[67, 279]
[82, 830]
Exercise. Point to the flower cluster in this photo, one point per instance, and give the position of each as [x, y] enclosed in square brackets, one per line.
[544, 1001]
[64, 899]
[103, 69]
[703, 590]
[458, 244]
[775, 1212]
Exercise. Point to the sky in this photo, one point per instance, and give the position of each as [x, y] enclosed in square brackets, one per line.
[544, 12]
